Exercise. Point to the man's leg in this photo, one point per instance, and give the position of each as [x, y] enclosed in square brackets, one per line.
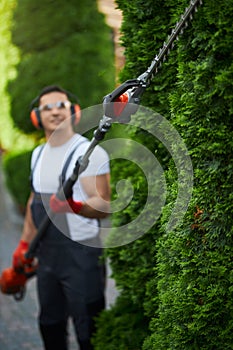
[54, 336]
[85, 282]
[85, 324]
[53, 313]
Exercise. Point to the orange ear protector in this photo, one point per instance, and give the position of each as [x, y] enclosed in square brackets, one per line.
[35, 118]
[75, 111]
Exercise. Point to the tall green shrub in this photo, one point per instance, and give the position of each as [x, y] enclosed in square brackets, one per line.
[182, 280]
[9, 56]
[66, 43]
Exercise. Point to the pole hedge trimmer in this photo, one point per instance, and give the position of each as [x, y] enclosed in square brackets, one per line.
[119, 105]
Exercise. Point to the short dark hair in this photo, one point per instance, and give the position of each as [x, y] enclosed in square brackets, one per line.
[52, 88]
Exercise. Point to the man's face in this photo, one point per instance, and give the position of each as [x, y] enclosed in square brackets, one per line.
[54, 111]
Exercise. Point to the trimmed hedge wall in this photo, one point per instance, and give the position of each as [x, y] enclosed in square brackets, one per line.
[180, 283]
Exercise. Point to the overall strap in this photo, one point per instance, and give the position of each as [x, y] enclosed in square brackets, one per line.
[67, 163]
[34, 165]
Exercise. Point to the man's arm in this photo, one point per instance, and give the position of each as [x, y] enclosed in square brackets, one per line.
[28, 233]
[29, 229]
[98, 191]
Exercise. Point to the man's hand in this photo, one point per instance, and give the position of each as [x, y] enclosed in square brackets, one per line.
[18, 259]
[67, 206]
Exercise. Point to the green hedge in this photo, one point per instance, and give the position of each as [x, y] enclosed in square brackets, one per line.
[194, 262]
[60, 43]
[120, 325]
[16, 168]
[181, 280]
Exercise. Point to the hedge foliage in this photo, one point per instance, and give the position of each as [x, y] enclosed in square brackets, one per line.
[16, 168]
[180, 280]
[60, 43]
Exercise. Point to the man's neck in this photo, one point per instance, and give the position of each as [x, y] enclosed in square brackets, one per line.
[58, 138]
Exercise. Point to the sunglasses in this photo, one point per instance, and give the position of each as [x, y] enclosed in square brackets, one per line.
[58, 104]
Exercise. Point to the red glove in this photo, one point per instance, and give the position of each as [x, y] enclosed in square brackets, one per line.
[67, 206]
[18, 259]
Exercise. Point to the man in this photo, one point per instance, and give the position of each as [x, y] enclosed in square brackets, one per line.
[70, 273]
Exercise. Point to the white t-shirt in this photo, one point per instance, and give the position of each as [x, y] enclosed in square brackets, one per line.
[47, 169]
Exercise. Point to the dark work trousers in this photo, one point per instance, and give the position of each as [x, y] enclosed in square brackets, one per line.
[70, 280]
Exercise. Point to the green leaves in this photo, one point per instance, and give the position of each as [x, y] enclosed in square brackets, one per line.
[60, 43]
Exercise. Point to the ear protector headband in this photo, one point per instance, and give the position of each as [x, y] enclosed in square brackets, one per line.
[75, 110]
